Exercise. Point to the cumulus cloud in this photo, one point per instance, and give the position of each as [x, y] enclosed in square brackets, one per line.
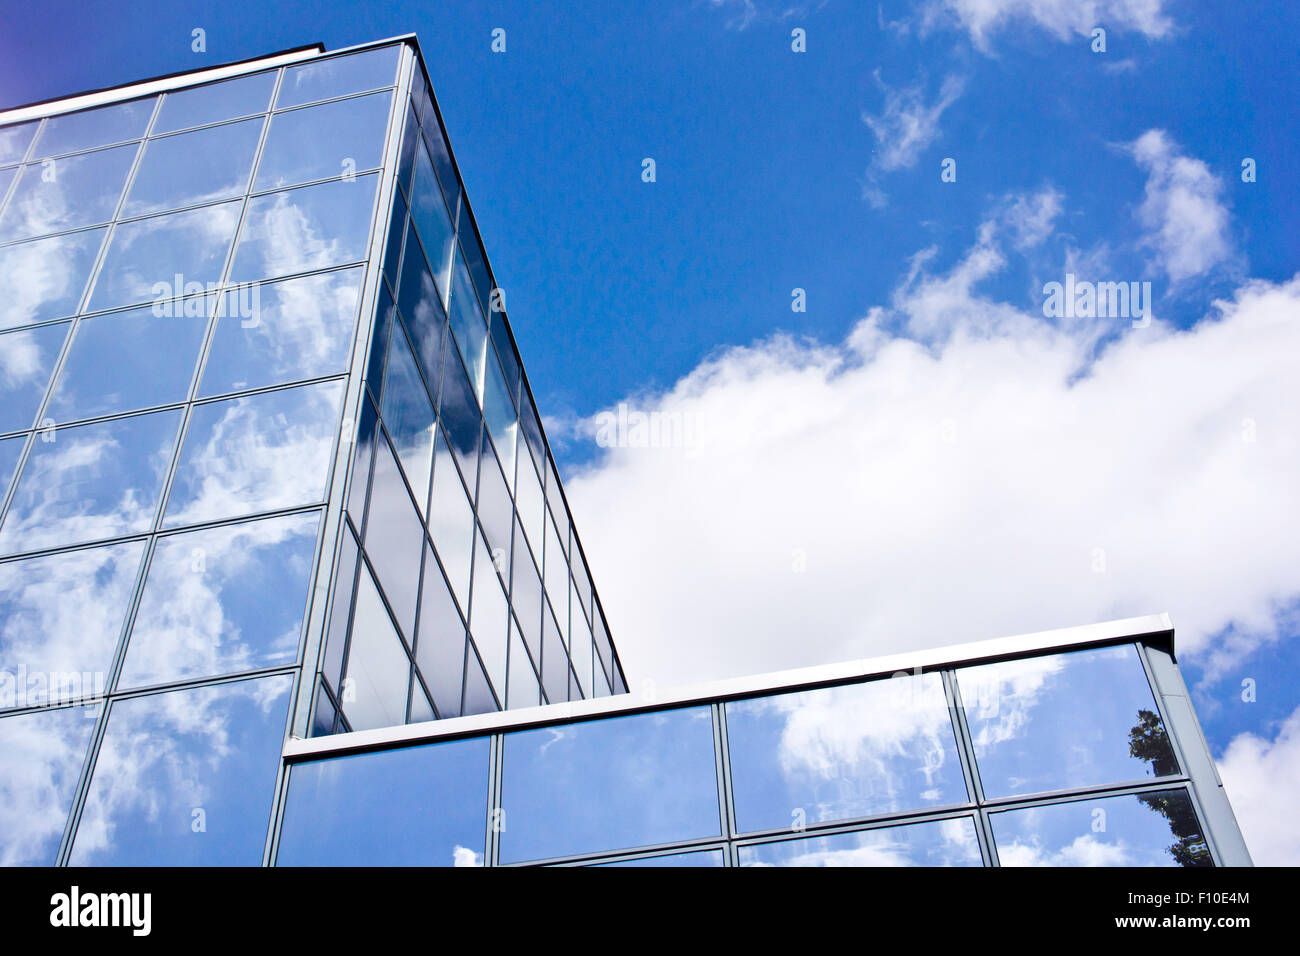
[1187, 226]
[1062, 18]
[1262, 778]
[957, 468]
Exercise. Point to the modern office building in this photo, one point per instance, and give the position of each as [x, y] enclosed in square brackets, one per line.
[287, 574]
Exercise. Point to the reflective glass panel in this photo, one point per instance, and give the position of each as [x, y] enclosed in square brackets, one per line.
[467, 326]
[41, 755]
[66, 193]
[98, 127]
[393, 244]
[408, 414]
[90, 482]
[437, 145]
[523, 687]
[258, 453]
[937, 843]
[222, 600]
[146, 257]
[1157, 828]
[440, 651]
[11, 450]
[186, 778]
[489, 618]
[414, 806]
[406, 157]
[321, 142]
[530, 503]
[340, 607]
[215, 102]
[422, 310]
[394, 539]
[646, 779]
[526, 593]
[451, 522]
[532, 427]
[494, 508]
[1064, 720]
[280, 332]
[479, 698]
[26, 360]
[697, 858]
[305, 229]
[129, 360]
[555, 660]
[193, 168]
[499, 416]
[44, 279]
[14, 141]
[359, 487]
[381, 329]
[338, 76]
[460, 416]
[857, 750]
[429, 214]
[61, 618]
[378, 671]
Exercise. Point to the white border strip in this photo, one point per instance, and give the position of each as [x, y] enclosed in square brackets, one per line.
[1041, 642]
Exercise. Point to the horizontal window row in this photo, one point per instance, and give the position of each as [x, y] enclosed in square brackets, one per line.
[165, 257]
[817, 758]
[275, 334]
[328, 78]
[263, 452]
[809, 758]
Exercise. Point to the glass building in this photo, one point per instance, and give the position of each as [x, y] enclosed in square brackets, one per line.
[287, 574]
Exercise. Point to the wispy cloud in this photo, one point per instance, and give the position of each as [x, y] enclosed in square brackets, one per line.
[906, 125]
[1061, 18]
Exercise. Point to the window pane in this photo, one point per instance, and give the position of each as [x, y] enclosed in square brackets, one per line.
[437, 146]
[489, 618]
[479, 698]
[340, 607]
[938, 843]
[494, 508]
[266, 451]
[393, 244]
[26, 359]
[305, 229]
[451, 522]
[338, 76]
[281, 332]
[215, 102]
[414, 806]
[112, 365]
[458, 410]
[378, 670]
[359, 487]
[646, 779]
[406, 156]
[696, 858]
[61, 618]
[171, 761]
[530, 503]
[555, 660]
[98, 127]
[67, 193]
[44, 279]
[145, 257]
[499, 416]
[90, 482]
[408, 414]
[440, 652]
[421, 308]
[322, 142]
[467, 326]
[11, 450]
[524, 689]
[1066, 720]
[883, 746]
[14, 141]
[1158, 828]
[432, 222]
[222, 600]
[41, 755]
[192, 168]
[526, 593]
[379, 333]
[394, 539]
[580, 649]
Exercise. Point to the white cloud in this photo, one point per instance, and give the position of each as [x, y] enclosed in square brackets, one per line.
[1062, 18]
[1031, 217]
[1186, 224]
[908, 124]
[1262, 778]
[954, 470]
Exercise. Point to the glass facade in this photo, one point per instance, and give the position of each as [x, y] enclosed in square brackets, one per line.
[1044, 759]
[263, 435]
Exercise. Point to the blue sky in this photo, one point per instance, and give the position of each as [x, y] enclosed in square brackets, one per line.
[820, 171]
